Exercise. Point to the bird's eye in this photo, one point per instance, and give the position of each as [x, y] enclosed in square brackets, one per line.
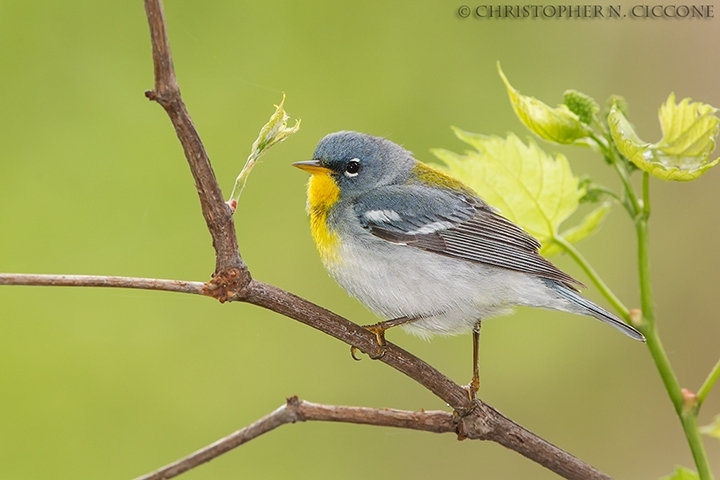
[352, 168]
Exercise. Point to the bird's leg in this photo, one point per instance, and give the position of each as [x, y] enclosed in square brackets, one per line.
[379, 330]
[474, 386]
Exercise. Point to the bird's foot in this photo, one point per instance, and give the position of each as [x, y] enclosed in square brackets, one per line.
[379, 330]
[458, 414]
[472, 388]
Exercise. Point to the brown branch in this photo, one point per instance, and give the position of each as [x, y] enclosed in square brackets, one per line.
[478, 421]
[167, 93]
[103, 281]
[486, 423]
[433, 421]
[285, 303]
[296, 410]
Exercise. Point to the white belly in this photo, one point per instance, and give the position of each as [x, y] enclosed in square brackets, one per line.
[448, 295]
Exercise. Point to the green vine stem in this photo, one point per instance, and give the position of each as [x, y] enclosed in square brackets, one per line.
[708, 384]
[612, 156]
[692, 433]
[686, 407]
[612, 138]
[687, 413]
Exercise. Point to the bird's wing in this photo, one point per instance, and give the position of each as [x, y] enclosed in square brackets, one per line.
[453, 224]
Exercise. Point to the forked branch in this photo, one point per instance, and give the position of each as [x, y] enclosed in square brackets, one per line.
[296, 410]
[167, 93]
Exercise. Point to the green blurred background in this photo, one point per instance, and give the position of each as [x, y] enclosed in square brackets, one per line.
[112, 384]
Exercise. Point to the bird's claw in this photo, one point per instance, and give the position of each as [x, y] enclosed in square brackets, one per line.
[380, 353]
[458, 414]
[353, 350]
[472, 389]
[379, 332]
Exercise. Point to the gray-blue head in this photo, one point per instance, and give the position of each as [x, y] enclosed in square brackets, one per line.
[359, 162]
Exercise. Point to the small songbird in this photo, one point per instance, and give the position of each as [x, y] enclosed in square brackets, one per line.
[421, 249]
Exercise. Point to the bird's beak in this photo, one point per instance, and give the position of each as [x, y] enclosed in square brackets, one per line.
[311, 166]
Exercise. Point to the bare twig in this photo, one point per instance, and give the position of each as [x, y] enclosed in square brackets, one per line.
[296, 410]
[102, 281]
[433, 421]
[167, 93]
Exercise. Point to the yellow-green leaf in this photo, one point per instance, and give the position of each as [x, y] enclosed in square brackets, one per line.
[587, 227]
[273, 132]
[530, 187]
[559, 125]
[682, 473]
[683, 153]
[713, 429]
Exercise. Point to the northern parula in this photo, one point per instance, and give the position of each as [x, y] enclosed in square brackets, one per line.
[421, 249]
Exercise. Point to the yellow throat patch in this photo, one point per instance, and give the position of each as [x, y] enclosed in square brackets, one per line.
[323, 192]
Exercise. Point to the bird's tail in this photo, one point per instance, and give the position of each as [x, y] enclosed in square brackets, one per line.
[587, 307]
